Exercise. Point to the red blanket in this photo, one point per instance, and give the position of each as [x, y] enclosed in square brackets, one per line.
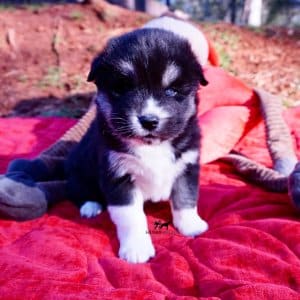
[251, 250]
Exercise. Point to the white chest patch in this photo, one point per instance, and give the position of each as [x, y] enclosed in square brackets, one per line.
[160, 172]
[153, 168]
[159, 169]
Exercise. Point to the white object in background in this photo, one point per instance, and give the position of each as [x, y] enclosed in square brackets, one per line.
[187, 31]
[255, 13]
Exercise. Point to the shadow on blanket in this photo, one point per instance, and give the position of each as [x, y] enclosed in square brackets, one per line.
[53, 106]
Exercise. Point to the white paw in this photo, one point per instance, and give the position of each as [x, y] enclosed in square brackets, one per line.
[90, 209]
[188, 222]
[137, 249]
[192, 227]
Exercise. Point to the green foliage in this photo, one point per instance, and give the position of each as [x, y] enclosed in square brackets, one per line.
[212, 10]
[274, 7]
[76, 15]
[225, 59]
[229, 39]
[108, 15]
[277, 12]
[72, 108]
[77, 82]
[258, 30]
[61, 112]
[4, 6]
[223, 40]
[52, 78]
[35, 6]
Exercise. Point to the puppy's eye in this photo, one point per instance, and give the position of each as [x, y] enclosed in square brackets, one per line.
[170, 92]
[121, 88]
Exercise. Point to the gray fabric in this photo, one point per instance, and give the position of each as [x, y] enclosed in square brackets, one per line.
[61, 148]
[280, 146]
[278, 134]
[294, 186]
[257, 173]
[19, 201]
[25, 198]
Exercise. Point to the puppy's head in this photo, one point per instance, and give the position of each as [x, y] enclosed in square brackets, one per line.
[147, 82]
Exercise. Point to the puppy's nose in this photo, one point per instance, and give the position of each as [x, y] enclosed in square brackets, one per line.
[149, 122]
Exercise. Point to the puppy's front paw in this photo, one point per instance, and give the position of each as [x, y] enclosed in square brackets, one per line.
[90, 209]
[137, 250]
[192, 227]
[188, 222]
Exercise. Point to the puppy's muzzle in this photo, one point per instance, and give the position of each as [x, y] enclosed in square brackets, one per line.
[149, 122]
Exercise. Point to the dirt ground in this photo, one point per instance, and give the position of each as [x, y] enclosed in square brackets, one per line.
[45, 55]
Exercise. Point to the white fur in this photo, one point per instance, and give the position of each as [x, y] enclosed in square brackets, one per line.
[186, 30]
[123, 163]
[126, 65]
[188, 222]
[159, 160]
[152, 108]
[131, 223]
[160, 169]
[90, 209]
[171, 73]
[153, 169]
[135, 123]
[191, 108]
[189, 157]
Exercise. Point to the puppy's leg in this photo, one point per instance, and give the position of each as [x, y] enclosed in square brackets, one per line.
[131, 223]
[79, 190]
[184, 203]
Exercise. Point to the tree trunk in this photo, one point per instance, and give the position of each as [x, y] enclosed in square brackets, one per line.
[130, 4]
[140, 5]
[255, 13]
[233, 11]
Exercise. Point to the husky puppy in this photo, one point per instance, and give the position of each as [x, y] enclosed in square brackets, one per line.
[144, 143]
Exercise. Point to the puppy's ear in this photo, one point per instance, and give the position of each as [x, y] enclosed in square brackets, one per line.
[94, 68]
[202, 79]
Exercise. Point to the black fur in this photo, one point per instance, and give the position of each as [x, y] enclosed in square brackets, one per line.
[149, 51]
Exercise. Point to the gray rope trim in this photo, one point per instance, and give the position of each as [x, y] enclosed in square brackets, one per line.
[63, 146]
[279, 140]
[280, 147]
[257, 173]
[294, 185]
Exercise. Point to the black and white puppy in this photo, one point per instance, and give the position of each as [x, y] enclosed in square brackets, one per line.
[144, 143]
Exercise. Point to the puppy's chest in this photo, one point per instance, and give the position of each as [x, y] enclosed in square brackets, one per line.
[158, 170]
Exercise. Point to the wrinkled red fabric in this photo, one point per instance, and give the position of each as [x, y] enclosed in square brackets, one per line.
[251, 250]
